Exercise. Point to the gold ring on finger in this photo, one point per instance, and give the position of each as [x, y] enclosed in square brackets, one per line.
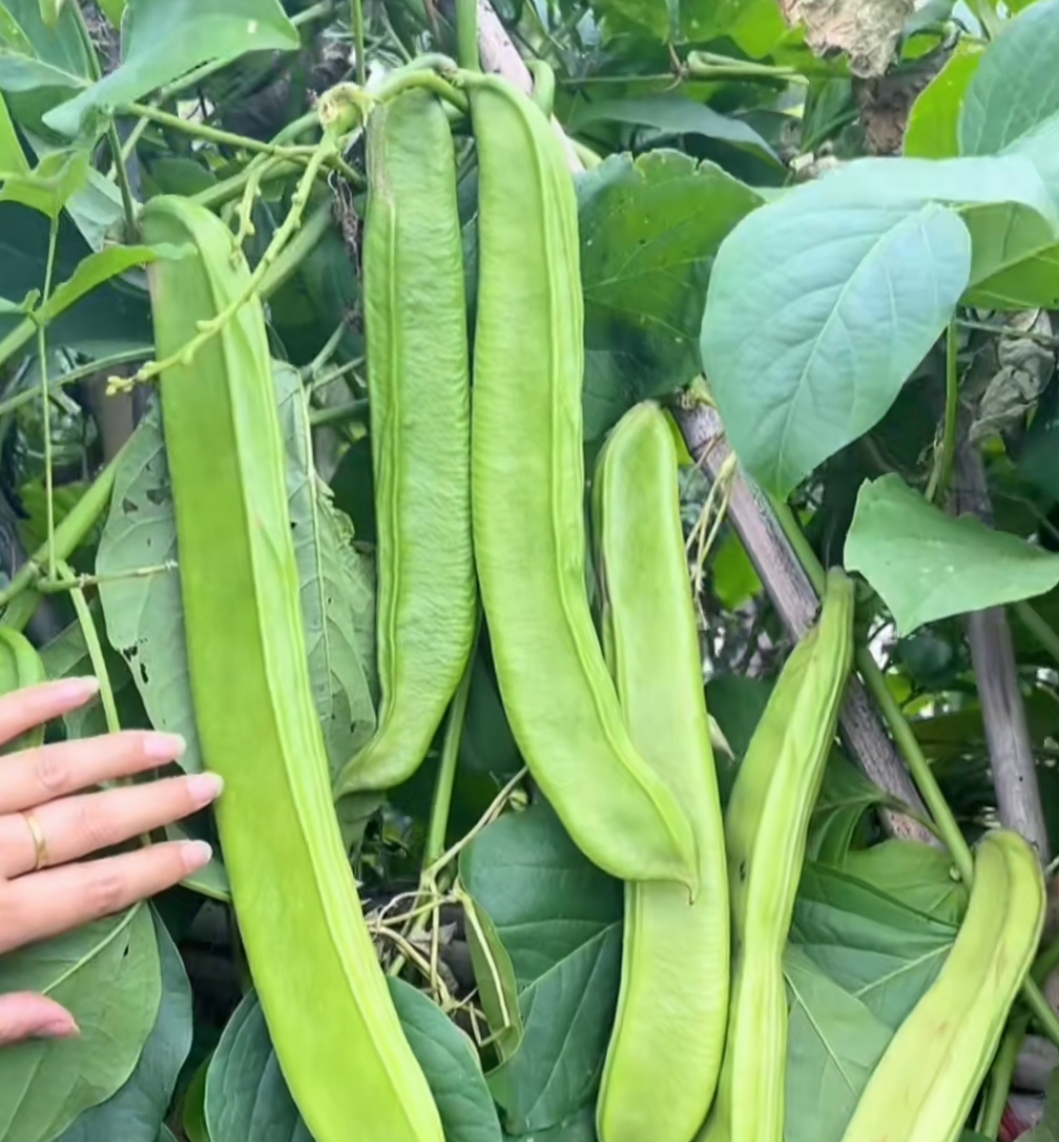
[40, 845]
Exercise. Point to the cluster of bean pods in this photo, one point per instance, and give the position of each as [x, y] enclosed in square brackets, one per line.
[480, 492]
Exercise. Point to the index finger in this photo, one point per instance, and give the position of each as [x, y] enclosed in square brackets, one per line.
[23, 710]
[58, 900]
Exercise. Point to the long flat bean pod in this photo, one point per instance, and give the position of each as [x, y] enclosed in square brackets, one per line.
[765, 835]
[924, 1085]
[419, 389]
[527, 498]
[668, 1037]
[336, 1034]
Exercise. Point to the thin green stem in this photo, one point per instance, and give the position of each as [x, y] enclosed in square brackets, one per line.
[1031, 620]
[127, 201]
[94, 647]
[421, 77]
[942, 473]
[467, 34]
[209, 329]
[203, 130]
[1003, 1070]
[1045, 339]
[338, 414]
[224, 191]
[316, 365]
[80, 582]
[438, 825]
[42, 354]
[356, 20]
[297, 250]
[946, 826]
[75, 525]
[27, 396]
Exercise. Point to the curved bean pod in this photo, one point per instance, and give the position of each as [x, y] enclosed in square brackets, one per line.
[765, 834]
[527, 498]
[926, 1082]
[668, 1038]
[336, 1034]
[415, 316]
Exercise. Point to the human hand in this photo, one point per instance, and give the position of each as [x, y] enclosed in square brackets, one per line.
[47, 822]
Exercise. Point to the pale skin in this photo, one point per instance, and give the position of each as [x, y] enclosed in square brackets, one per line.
[52, 821]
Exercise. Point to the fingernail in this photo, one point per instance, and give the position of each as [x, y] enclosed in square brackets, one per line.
[62, 1027]
[164, 747]
[205, 787]
[78, 689]
[196, 854]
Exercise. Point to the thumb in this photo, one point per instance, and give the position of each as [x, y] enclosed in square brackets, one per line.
[24, 1015]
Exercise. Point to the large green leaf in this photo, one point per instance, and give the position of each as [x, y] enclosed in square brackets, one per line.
[50, 185]
[916, 874]
[932, 131]
[845, 796]
[818, 310]
[245, 1087]
[559, 918]
[881, 951]
[1016, 85]
[108, 975]
[833, 1044]
[927, 565]
[136, 1112]
[246, 1094]
[450, 1064]
[670, 114]
[579, 1127]
[109, 319]
[34, 55]
[163, 39]
[649, 232]
[829, 297]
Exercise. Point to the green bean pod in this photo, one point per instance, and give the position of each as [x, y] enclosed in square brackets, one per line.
[923, 1087]
[20, 666]
[527, 498]
[335, 1031]
[415, 316]
[765, 834]
[668, 1037]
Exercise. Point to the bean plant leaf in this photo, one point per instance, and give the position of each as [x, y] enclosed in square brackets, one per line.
[135, 1113]
[650, 229]
[579, 1127]
[1015, 87]
[916, 874]
[50, 185]
[163, 40]
[877, 948]
[932, 131]
[559, 918]
[336, 589]
[97, 268]
[819, 309]
[144, 614]
[108, 975]
[12, 157]
[450, 1064]
[246, 1093]
[245, 1089]
[927, 565]
[671, 114]
[33, 55]
[833, 1044]
[845, 796]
